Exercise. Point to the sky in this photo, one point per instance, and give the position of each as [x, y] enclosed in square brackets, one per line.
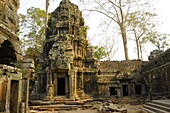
[162, 8]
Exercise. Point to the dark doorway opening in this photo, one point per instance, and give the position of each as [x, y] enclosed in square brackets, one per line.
[14, 96]
[138, 89]
[7, 53]
[61, 86]
[125, 90]
[113, 91]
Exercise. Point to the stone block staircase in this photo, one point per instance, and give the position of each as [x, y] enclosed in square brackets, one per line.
[157, 106]
[58, 105]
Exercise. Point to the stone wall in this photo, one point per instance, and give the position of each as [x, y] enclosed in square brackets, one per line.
[9, 96]
[156, 74]
[14, 71]
[9, 26]
[115, 78]
[9, 17]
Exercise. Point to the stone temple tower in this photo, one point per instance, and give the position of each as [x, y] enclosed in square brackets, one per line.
[67, 62]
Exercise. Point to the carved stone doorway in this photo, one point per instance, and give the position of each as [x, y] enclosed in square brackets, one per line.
[138, 89]
[113, 91]
[61, 87]
[125, 90]
[14, 96]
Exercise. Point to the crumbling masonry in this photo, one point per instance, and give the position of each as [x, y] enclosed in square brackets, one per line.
[156, 74]
[68, 68]
[14, 71]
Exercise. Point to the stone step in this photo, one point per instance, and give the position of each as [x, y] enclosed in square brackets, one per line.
[159, 106]
[162, 102]
[156, 110]
[59, 107]
[147, 110]
[52, 107]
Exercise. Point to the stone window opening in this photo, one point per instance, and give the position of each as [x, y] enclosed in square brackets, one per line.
[113, 91]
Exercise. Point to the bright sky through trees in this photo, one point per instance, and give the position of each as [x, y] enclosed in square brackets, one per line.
[161, 8]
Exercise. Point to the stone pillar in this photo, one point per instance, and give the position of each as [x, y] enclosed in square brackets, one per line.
[67, 85]
[120, 90]
[133, 90]
[75, 96]
[50, 86]
[27, 92]
[7, 107]
[73, 84]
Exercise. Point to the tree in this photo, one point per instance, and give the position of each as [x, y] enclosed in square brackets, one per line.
[140, 23]
[118, 11]
[160, 41]
[110, 48]
[46, 13]
[33, 31]
[99, 52]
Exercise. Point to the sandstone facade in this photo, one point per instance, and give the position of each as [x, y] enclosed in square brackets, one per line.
[68, 68]
[116, 79]
[14, 71]
[67, 58]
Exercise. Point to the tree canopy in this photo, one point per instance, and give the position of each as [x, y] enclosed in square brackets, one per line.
[135, 19]
[32, 27]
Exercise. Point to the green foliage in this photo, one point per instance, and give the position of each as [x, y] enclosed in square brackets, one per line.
[32, 27]
[143, 25]
[99, 52]
[157, 39]
[37, 68]
[140, 23]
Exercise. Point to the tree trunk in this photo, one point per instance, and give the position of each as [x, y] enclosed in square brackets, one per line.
[46, 10]
[137, 44]
[140, 47]
[124, 37]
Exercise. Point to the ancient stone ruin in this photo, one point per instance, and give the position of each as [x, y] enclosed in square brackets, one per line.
[69, 74]
[69, 71]
[14, 70]
[67, 60]
[156, 74]
[68, 68]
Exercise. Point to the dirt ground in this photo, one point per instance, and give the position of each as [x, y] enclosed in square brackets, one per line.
[130, 108]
